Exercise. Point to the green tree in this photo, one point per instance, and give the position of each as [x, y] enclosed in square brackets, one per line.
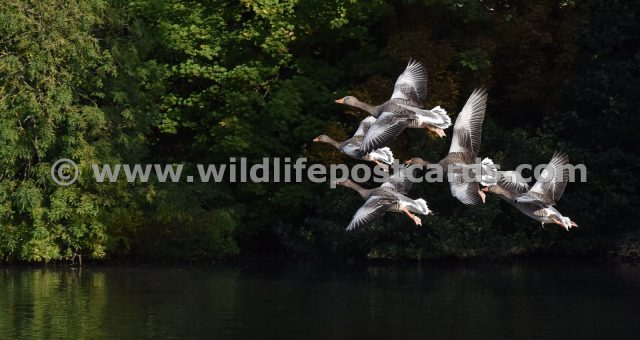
[51, 71]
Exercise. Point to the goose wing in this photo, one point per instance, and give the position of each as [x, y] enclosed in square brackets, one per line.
[553, 180]
[363, 128]
[371, 210]
[512, 182]
[468, 127]
[411, 85]
[384, 130]
[465, 191]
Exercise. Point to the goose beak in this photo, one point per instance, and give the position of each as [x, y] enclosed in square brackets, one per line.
[485, 189]
[340, 101]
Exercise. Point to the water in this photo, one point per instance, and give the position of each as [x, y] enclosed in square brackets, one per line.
[442, 301]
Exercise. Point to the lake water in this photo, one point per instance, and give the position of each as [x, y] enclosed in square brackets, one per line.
[433, 301]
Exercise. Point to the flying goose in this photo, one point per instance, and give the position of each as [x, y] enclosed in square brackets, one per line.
[463, 152]
[408, 97]
[538, 202]
[352, 146]
[390, 196]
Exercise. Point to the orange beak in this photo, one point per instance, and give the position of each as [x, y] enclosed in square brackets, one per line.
[340, 101]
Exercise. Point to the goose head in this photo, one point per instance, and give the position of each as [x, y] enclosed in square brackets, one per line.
[355, 102]
[355, 186]
[344, 182]
[328, 140]
[323, 139]
[497, 190]
[348, 100]
[417, 161]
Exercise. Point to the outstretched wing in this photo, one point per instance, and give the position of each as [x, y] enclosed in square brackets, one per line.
[553, 180]
[467, 130]
[384, 130]
[512, 182]
[465, 191]
[363, 128]
[401, 182]
[411, 85]
[371, 210]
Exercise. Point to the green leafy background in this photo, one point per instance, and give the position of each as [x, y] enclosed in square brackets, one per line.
[187, 82]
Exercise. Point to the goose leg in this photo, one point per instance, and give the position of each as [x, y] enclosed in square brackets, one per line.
[568, 223]
[559, 222]
[415, 218]
[483, 196]
[437, 131]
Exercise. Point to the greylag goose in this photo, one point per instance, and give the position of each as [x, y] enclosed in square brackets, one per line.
[538, 202]
[352, 146]
[390, 196]
[509, 186]
[465, 145]
[408, 97]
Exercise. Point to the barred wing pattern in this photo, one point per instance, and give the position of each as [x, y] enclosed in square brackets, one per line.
[550, 187]
[371, 210]
[411, 85]
[467, 130]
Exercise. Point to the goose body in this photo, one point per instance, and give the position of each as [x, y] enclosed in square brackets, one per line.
[537, 202]
[407, 103]
[390, 196]
[465, 145]
[353, 146]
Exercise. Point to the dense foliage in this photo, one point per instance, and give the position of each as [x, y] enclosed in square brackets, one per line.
[187, 82]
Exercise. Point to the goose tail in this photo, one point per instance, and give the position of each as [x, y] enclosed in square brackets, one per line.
[489, 174]
[383, 155]
[421, 206]
[445, 120]
[567, 223]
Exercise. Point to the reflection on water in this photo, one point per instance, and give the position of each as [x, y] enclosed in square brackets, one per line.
[564, 301]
